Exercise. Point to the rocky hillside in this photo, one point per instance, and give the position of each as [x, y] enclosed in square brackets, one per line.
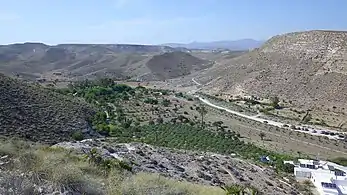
[308, 68]
[197, 167]
[38, 114]
[67, 61]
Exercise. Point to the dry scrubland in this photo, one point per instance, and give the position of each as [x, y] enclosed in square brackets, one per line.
[30, 168]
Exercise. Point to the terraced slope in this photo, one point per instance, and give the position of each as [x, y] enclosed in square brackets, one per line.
[307, 68]
[38, 114]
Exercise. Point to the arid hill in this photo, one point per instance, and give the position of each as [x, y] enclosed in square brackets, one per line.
[39, 114]
[175, 64]
[308, 68]
[79, 61]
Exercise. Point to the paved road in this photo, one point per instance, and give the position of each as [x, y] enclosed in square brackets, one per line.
[309, 129]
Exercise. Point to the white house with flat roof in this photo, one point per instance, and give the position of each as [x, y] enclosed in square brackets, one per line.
[329, 178]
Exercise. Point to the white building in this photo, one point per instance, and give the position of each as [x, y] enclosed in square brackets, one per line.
[329, 178]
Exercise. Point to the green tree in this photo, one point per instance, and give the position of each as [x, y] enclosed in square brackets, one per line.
[121, 118]
[218, 125]
[299, 153]
[202, 111]
[275, 102]
[151, 101]
[262, 135]
[120, 88]
[166, 102]
[127, 123]
[78, 136]
[288, 168]
[105, 82]
[160, 120]
[103, 129]
[307, 117]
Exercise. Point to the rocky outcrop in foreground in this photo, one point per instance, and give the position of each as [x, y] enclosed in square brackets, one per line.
[198, 167]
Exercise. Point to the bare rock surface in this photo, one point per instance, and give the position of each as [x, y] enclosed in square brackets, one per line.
[199, 167]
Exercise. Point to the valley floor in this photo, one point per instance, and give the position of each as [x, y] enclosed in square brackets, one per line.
[277, 137]
[179, 129]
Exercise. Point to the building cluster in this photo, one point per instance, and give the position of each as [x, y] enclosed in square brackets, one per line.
[328, 178]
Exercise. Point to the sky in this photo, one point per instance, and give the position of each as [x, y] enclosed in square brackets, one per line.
[163, 21]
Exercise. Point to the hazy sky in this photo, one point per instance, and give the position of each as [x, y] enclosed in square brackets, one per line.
[161, 21]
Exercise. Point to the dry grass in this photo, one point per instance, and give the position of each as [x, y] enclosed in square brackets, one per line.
[155, 184]
[56, 169]
[37, 169]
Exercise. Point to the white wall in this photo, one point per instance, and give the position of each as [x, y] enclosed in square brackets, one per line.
[301, 173]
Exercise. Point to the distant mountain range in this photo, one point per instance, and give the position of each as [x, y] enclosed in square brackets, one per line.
[242, 44]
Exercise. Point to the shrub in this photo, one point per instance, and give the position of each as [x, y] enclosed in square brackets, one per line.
[151, 101]
[275, 102]
[266, 110]
[307, 118]
[78, 136]
[160, 120]
[120, 88]
[288, 168]
[166, 102]
[240, 189]
[180, 94]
